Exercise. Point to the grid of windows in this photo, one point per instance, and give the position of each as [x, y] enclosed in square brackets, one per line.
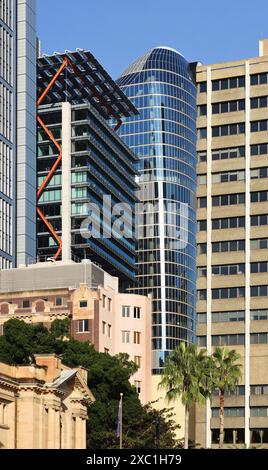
[228, 106]
[228, 223]
[228, 199]
[228, 293]
[163, 76]
[258, 78]
[226, 83]
[259, 149]
[227, 340]
[228, 129]
[228, 176]
[259, 244]
[233, 245]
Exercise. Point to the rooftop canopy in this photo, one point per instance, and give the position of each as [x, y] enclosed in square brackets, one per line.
[83, 79]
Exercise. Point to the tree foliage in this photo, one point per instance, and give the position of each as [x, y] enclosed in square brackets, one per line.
[108, 376]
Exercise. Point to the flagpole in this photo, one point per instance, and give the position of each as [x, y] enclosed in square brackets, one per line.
[121, 420]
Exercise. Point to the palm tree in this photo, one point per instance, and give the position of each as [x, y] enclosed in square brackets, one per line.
[227, 374]
[185, 376]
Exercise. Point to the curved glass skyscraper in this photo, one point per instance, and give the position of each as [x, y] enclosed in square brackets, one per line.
[163, 135]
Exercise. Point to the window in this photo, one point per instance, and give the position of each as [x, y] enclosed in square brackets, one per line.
[109, 304]
[103, 301]
[126, 311]
[221, 317]
[224, 154]
[109, 330]
[259, 390]
[257, 173]
[259, 411]
[229, 412]
[259, 126]
[259, 196]
[201, 157]
[202, 341]
[259, 338]
[125, 336]
[83, 326]
[234, 245]
[25, 303]
[202, 272]
[202, 202]
[259, 102]
[259, 149]
[202, 87]
[202, 179]
[261, 314]
[103, 327]
[228, 269]
[201, 248]
[228, 176]
[58, 301]
[202, 110]
[228, 293]
[137, 360]
[259, 267]
[229, 199]
[231, 436]
[83, 304]
[258, 220]
[259, 244]
[201, 318]
[226, 223]
[226, 83]
[225, 340]
[228, 129]
[106, 351]
[137, 337]
[137, 312]
[202, 225]
[202, 294]
[137, 385]
[258, 79]
[202, 133]
[228, 106]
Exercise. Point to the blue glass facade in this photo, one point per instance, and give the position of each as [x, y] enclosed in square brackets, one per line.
[163, 136]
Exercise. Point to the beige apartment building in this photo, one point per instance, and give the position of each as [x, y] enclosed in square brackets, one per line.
[232, 300]
[113, 322]
[43, 406]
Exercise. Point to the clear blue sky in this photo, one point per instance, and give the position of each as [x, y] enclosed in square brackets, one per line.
[118, 31]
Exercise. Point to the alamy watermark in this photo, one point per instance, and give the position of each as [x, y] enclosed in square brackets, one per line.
[145, 220]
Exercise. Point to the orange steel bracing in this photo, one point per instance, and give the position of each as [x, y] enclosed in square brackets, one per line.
[57, 162]
[54, 167]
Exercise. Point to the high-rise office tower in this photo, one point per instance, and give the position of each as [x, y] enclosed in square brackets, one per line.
[17, 132]
[82, 160]
[163, 136]
[232, 305]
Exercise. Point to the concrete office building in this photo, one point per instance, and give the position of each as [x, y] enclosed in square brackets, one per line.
[232, 258]
[112, 321]
[17, 132]
[81, 160]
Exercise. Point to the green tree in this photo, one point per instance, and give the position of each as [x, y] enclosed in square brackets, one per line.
[108, 376]
[61, 328]
[227, 374]
[187, 375]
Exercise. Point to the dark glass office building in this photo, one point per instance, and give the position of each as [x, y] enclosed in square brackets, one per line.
[81, 160]
[163, 136]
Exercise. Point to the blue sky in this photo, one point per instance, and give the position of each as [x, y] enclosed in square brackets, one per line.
[118, 31]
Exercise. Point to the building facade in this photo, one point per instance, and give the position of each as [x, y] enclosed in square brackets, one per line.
[84, 169]
[83, 293]
[17, 132]
[232, 255]
[43, 406]
[163, 136]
